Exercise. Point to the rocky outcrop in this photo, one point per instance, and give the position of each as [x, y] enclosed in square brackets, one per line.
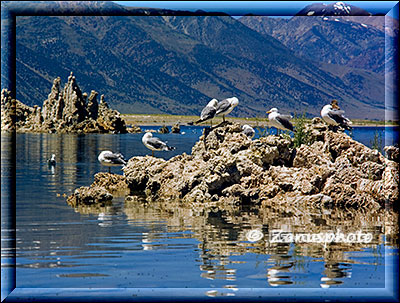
[133, 129]
[111, 182]
[392, 153]
[8, 112]
[89, 195]
[176, 129]
[163, 130]
[104, 186]
[225, 166]
[15, 114]
[66, 110]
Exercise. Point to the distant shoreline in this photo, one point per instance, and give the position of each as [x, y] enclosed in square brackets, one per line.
[169, 120]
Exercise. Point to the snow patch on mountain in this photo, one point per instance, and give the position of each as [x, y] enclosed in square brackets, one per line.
[342, 6]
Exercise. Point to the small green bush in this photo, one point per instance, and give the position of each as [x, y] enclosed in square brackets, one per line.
[301, 136]
[376, 142]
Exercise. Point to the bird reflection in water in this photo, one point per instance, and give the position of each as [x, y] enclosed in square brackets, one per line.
[227, 234]
[146, 241]
[51, 163]
[279, 273]
[335, 271]
[104, 219]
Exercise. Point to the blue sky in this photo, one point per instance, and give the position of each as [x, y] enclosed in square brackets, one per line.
[277, 8]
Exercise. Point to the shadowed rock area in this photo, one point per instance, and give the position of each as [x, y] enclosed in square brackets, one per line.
[66, 110]
[227, 167]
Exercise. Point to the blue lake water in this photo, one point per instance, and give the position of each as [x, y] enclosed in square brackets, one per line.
[131, 244]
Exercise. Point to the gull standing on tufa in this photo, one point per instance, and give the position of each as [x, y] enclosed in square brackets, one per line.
[208, 112]
[331, 114]
[226, 106]
[108, 158]
[154, 143]
[279, 121]
[248, 131]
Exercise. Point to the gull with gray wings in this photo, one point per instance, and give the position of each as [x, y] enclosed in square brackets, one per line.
[154, 143]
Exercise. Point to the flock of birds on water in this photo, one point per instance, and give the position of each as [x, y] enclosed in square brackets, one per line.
[330, 113]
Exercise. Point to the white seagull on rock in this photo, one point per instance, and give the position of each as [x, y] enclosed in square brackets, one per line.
[154, 143]
[248, 131]
[279, 121]
[108, 158]
[226, 106]
[208, 112]
[335, 117]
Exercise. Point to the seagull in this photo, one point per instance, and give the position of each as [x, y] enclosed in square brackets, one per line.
[208, 112]
[279, 121]
[335, 117]
[226, 106]
[108, 158]
[154, 143]
[52, 160]
[248, 131]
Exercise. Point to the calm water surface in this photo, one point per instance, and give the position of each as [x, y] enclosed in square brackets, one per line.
[130, 243]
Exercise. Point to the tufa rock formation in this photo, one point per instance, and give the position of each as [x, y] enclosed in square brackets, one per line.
[8, 112]
[163, 130]
[227, 167]
[176, 129]
[100, 192]
[66, 110]
[133, 129]
[88, 196]
[392, 153]
[15, 114]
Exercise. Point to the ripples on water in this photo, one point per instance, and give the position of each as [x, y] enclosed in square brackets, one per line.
[130, 243]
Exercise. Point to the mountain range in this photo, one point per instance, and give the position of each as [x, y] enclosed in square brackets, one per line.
[332, 9]
[353, 41]
[161, 62]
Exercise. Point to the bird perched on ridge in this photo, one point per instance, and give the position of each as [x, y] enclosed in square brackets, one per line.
[226, 106]
[335, 104]
[108, 158]
[335, 117]
[279, 121]
[209, 111]
[52, 160]
[154, 143]
[248, 131]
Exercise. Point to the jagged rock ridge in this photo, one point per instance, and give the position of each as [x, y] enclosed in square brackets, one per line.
[66, 110]
[227, 167]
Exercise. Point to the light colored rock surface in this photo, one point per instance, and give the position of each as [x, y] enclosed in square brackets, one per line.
[66, 110]
[89, 195]
[227, 167]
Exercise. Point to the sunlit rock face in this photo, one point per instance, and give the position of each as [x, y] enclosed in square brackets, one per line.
[89, 196]
[7, 111]
[226, 165]
[66, 110]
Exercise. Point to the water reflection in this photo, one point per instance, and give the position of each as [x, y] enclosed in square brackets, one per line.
[227, 234]
[170, 244]
[76, 154]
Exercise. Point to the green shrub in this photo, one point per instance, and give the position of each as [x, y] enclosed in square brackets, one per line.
[301, 136]
[376, 142]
